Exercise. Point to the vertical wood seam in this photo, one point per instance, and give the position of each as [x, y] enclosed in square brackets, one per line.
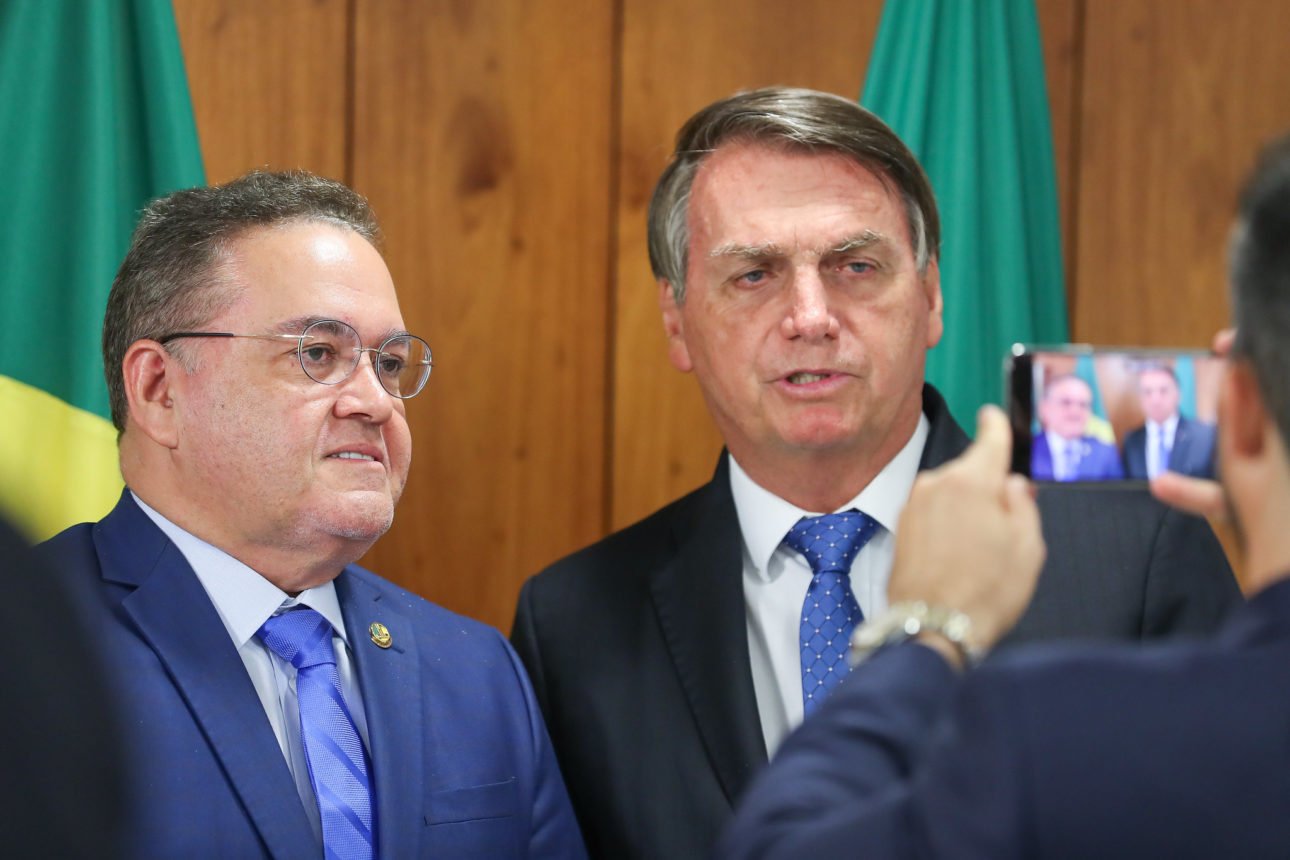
[1078, 49]
[616, 96]
[351, 89]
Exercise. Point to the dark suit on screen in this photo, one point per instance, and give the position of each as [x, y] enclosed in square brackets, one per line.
[1193, 452]
[1098, 461]
[1178, 751]
[462, 764]
[638, 649]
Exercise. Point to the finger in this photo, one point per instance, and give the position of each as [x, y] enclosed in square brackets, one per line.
[1194, 495]
[1223, 341]
[992, 450]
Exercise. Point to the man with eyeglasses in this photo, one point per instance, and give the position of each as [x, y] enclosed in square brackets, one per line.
[1064, 450]
[282, 700]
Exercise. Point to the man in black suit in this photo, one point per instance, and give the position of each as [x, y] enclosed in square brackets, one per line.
[1175, 750]
[1168, 439]
[795, 240]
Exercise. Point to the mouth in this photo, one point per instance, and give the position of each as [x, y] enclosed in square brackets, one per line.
[806, 377]
[361, 454]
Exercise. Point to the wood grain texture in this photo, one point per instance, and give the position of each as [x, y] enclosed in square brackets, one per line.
[664, 444]
[1177, 98]
[268, 83]
[1061, 29]
[482, 136]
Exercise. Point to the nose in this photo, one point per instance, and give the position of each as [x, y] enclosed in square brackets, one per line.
[362, 395]
[810, 317]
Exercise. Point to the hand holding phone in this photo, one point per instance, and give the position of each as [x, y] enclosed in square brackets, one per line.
[1085, 415]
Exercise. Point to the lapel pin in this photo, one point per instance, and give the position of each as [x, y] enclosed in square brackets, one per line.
[380, 635]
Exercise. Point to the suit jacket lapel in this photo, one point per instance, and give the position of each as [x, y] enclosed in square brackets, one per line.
[175, 616]
[946, 439]
[700, 604]
[390, 679]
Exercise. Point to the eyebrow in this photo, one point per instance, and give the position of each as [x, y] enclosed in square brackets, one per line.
[296, 325]
[865, 239]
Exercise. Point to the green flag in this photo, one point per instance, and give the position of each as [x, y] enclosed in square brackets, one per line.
[96, 121]
[962, 82]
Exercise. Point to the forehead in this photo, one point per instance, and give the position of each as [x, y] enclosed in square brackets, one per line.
[754, 194]
[301, 269]
[1070, 388]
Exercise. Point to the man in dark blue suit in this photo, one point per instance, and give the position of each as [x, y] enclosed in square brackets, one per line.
[1173, 750]
[281, 701]
[1062, 450]
[1168, 439]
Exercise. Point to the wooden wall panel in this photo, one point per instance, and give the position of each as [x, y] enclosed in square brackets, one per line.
[663, 441]
[268, 83]
[1061, 28]
[482, 136]
[1177, 97]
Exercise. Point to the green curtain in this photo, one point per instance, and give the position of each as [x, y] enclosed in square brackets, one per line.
[97, 121]
[962, 82]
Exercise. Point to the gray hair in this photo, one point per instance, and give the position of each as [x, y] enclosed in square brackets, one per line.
[1259, 269]
[796, 120]
[170, 279]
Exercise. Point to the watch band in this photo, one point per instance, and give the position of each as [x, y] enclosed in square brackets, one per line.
[906, 619]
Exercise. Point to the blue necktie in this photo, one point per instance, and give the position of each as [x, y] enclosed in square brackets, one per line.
[338, 765]
[830, 612]
[1162, 452]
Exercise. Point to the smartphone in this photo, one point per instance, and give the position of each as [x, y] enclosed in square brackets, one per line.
[1112, 415]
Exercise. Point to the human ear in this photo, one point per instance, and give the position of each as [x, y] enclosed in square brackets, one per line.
[150, 375]
[678, 352]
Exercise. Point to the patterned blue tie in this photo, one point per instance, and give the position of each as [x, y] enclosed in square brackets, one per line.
[830, 612]
[338, 765]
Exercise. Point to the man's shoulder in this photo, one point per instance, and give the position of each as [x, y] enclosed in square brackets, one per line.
[417, 609]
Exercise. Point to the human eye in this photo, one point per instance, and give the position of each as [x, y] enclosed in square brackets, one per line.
[858, 267]
[318, 352]
[752, 278]
[391, 365]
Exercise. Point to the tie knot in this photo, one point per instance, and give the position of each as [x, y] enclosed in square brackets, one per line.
[831, 542]
[302, 637]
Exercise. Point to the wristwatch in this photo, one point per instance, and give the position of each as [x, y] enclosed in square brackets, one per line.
[906, 619]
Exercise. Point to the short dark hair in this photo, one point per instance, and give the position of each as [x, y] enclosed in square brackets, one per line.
[797, 120]
[1159, 367]
[170, 278]
[1259, 270]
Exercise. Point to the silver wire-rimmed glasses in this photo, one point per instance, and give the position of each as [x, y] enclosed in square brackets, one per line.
[329, 351]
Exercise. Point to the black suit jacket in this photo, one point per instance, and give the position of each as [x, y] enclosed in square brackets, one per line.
[638, 649]
[1193, 452]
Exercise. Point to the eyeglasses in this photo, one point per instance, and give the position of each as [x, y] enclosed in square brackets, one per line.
[329, 351]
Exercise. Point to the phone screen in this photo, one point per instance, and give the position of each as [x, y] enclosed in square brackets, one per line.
[1085, 415]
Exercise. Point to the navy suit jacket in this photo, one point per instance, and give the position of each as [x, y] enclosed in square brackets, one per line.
[461, 761]
[1098, 460]
[1174, 750]
[656, 723]
[1192, 454]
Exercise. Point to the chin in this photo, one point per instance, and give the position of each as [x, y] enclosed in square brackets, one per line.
[360, 520]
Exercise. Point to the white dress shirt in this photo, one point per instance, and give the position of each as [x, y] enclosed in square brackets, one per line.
[245, 600]
[776, 577]
[1169, 427]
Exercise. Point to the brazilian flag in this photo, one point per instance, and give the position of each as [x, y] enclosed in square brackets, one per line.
[962, 82]
[96, 122]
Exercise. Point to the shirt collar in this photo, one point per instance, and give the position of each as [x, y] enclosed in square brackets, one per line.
[1169, 426]
[764, 518]
[243, 598]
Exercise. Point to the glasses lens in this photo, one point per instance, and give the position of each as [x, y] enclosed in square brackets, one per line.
[329, 351]
[403, 365]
